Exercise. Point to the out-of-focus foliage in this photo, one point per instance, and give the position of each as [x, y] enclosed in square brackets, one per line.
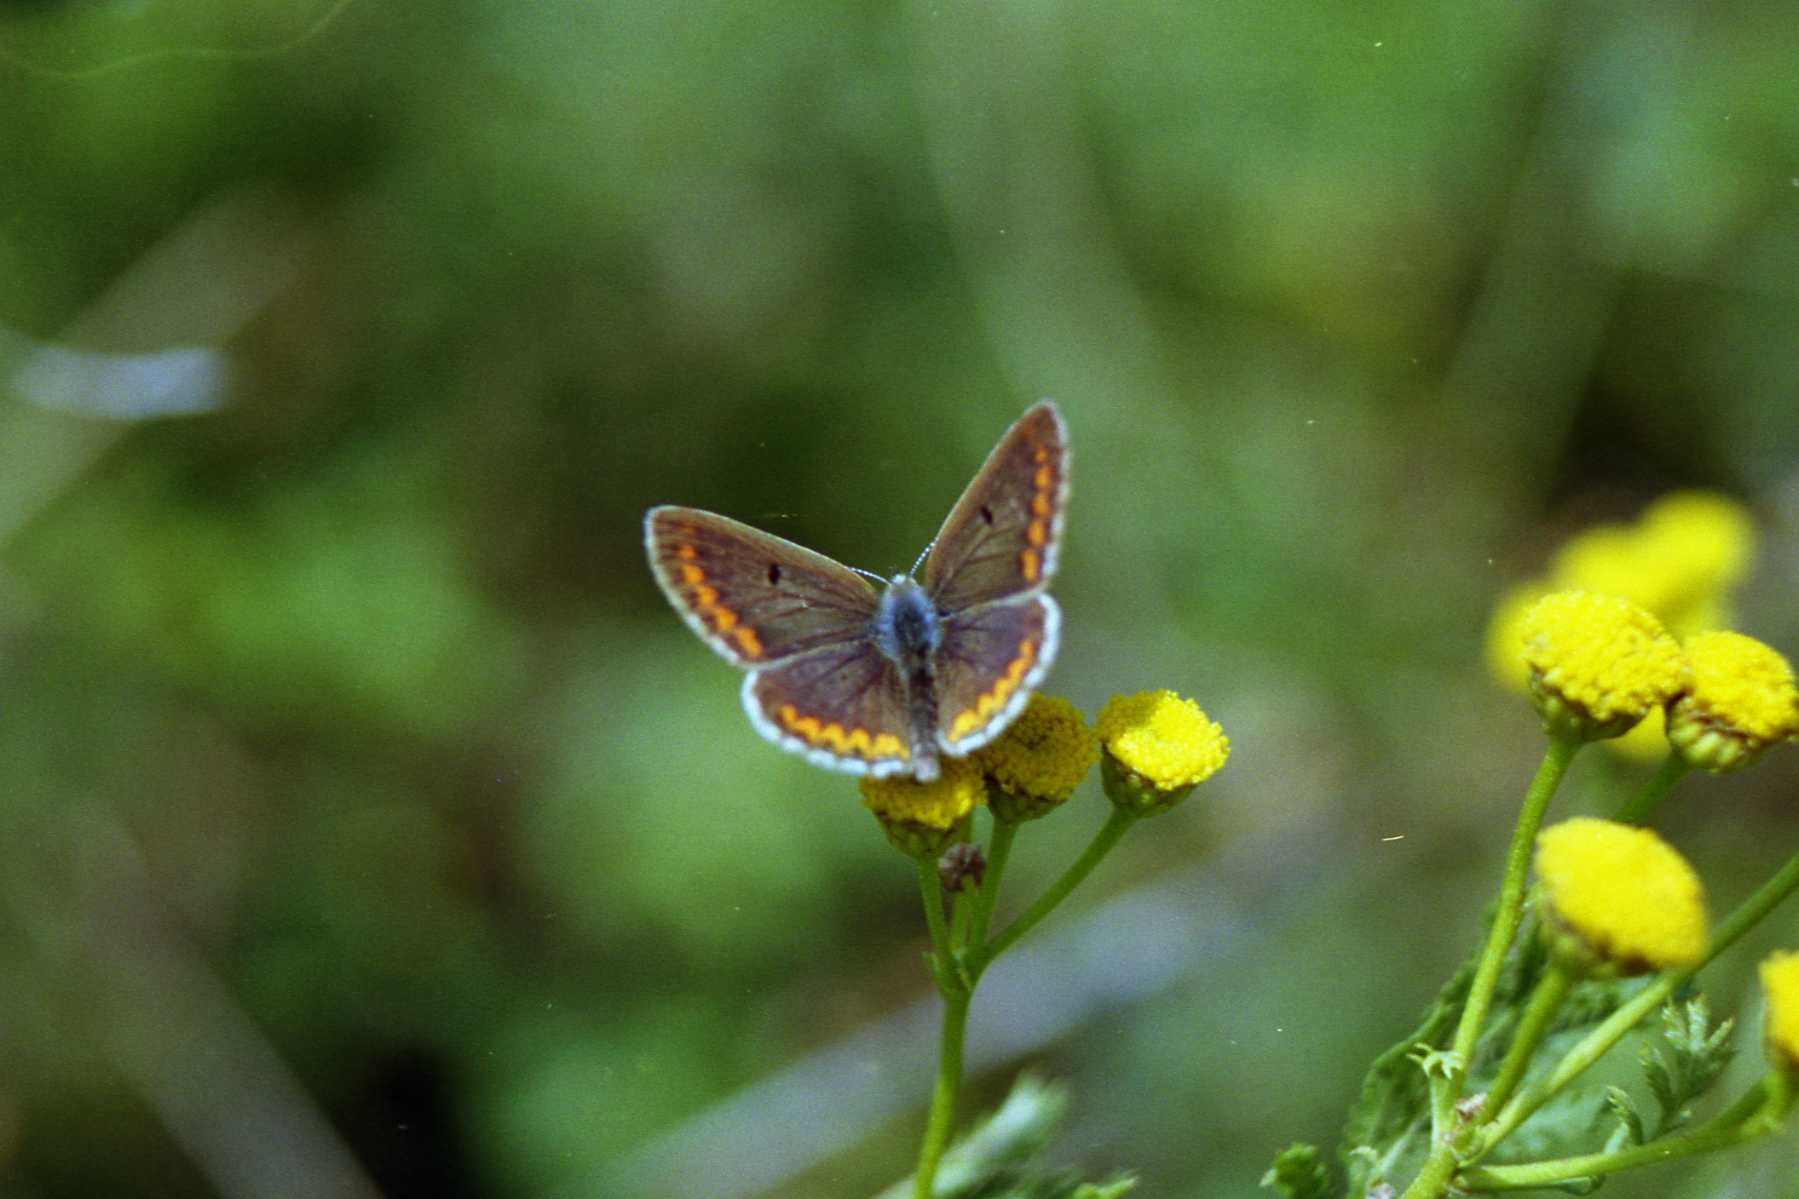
[369, 825]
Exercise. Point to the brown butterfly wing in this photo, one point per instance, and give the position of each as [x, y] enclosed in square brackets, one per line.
[1003, 536]
[988, 660]
[843, 707]
[755, 598]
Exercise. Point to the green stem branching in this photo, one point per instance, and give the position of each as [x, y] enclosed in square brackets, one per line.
[1103, 841]
[1446, 1088]
[1609, 1032]
[1755, 1114]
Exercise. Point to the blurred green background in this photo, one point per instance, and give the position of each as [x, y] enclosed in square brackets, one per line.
[370, 826]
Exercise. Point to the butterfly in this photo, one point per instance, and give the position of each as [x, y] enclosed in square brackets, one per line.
[886, 677]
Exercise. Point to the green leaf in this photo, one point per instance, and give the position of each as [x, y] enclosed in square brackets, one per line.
[1687, 1063]
[1391, 1115]
[1105, 1190]
[992, 1159]
[1566, 1124]
[1299, 1172]
[1629, 1120]
[997, 1159]
[1063, 1184]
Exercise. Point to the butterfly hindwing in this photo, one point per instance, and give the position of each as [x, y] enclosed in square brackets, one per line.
[988, 659]
[755, 598]
[843, 706]
[1003, 536]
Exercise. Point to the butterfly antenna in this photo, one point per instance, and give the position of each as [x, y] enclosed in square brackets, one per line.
[923, 554]
[869, 574]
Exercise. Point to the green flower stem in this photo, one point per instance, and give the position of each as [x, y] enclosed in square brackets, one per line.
[998, 851]
[961, 914]
[1644, 803]
[962, 903]
[1121, 819]
[1595, 1044]
[1445, 1091]
[955, 1023]
[1755, 1114]
[943, 1094]
[930, 889]
[1511, 898]
[1545, 1002]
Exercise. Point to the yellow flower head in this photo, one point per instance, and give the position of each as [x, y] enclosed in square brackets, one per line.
[1597, 663]
[1618, 898]
[922, 818]
[1647, 740]
[1609, 560]
[1505, 635]
[1679, 561]
[1158, 747]
[1039, 760]
[1739, 700]
[1780, 983]
[1711, 537]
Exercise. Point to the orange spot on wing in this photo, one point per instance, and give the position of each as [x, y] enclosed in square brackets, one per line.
[853, 740]
[992, 700]
[705, 602]
[686, 553]
[1030, 564]
[1040, 503]
[1044, 477]
[1036, 534]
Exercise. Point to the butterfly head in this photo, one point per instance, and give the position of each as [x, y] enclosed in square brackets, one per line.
[906, 626]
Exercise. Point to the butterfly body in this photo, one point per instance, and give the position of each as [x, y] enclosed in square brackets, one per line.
[907, 633]
[885, 680]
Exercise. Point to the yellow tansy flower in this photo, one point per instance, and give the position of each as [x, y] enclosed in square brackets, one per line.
[1740, 699]
[1035, 765]
[1780, 984]
[1158, 747]
[1710, 536]
[1619, 899]
[1680, 560]
[921, 818]
[1505, 635]
[1609, 560]
[1597, 663]
[1647, 740]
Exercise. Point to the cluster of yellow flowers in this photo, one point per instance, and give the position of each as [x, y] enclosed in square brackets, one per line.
[1154, 746]
[1681, 562]
[1625, 636]
[1597, 665]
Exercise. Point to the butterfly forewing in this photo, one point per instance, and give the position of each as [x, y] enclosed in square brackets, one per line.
[988, 660]
[1003, 535]
[755, 598]
[843, 706]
